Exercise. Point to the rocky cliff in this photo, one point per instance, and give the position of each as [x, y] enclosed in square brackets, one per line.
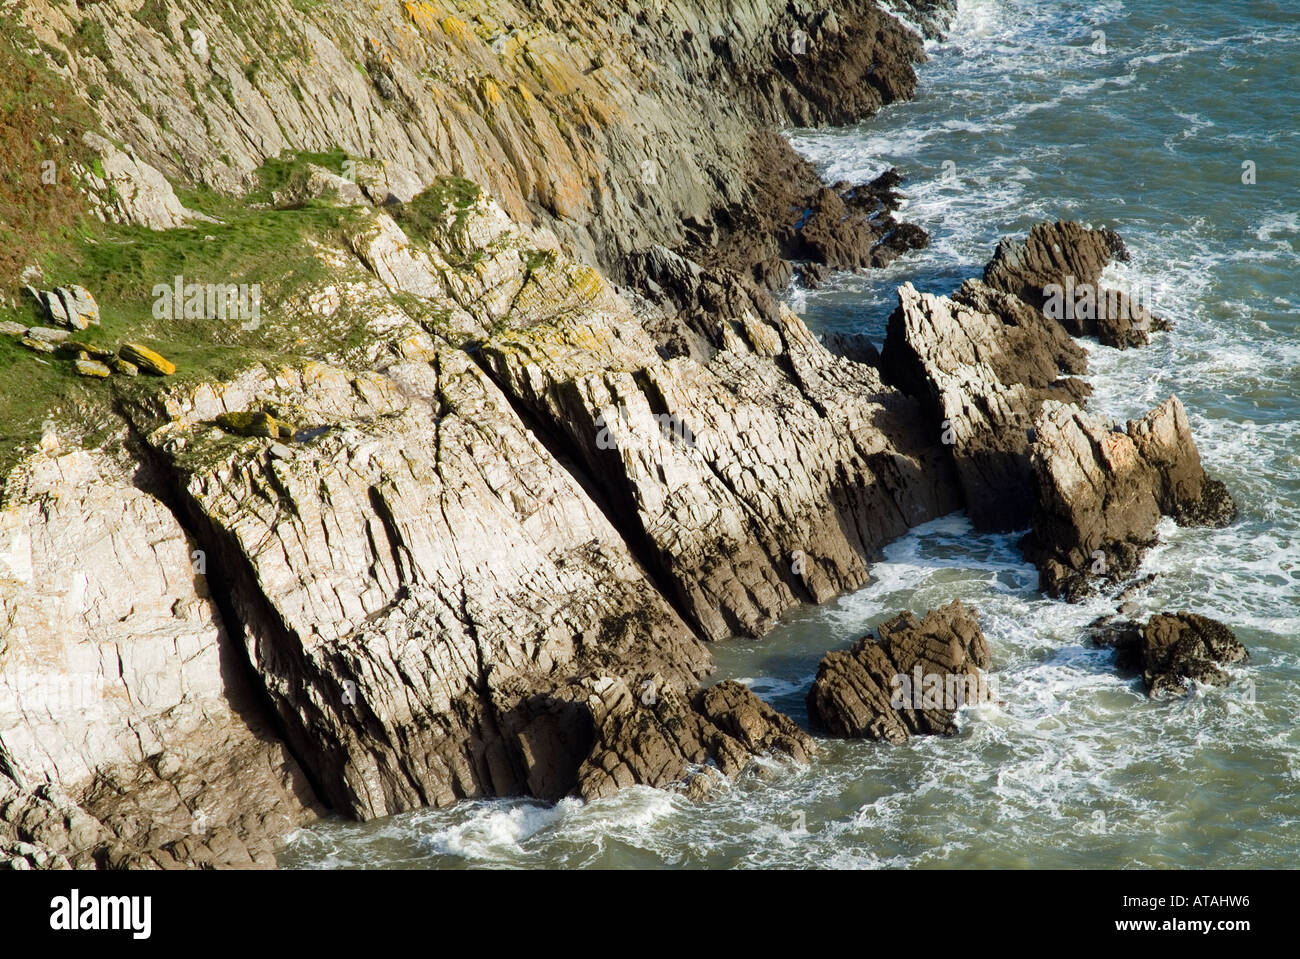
[449, 513]
[511, 429]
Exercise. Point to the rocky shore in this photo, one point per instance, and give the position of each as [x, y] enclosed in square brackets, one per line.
[478, 544]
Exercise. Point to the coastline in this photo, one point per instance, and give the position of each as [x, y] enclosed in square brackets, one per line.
[543, 355]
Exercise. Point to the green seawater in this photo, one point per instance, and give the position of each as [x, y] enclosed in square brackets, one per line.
[1023, 115]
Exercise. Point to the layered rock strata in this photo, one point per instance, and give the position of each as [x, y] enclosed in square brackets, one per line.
[910, 679]
[1102, 489]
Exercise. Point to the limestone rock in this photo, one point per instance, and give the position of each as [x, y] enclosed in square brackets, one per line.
[47, 334]
[92, 368]
[122, 711]
[132, 190]
[911, 680]
[79, 306]
[314, 183]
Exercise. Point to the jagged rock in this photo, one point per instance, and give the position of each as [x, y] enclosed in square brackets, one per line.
[448, 569]
[122, 366]
[911, 680]
[656, 740]
[122, 709]
[146, 359]
[55, 308]
[1070, 257]
[1102, 490]
[1171, 650]
[542, 127]
[387, 252]
[92, 368]
[79, 306]
[983, 363]
[133, 191]
[851, 227]
[10, 328]
[770, 475]
[1164, 439]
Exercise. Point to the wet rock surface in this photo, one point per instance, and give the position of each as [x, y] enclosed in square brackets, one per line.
[983, 363]
[910, 679]
[1058, 268]
[1172, 650]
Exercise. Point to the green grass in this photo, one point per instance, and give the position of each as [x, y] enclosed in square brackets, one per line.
[425, 217]
[121, 265]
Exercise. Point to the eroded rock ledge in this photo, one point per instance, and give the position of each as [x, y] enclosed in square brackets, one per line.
[1102, 490]
[999, 380]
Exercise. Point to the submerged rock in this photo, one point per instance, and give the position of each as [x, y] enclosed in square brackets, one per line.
[911, 680]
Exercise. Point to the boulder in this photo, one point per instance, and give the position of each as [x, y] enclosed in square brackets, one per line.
[910, 679]
[47, 334]
[92, 368]
[1171, 650]
[146, 359]
[38, 345]
[79, 306]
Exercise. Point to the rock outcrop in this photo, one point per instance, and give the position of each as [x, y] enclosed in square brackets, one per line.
[983, 362]
[617, 129]
[1102, 490]
[129, 732]
[1172, 650]
[1058, 269]
[911, 679]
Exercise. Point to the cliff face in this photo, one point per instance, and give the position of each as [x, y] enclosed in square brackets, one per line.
[455, 519]
[619, 128]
